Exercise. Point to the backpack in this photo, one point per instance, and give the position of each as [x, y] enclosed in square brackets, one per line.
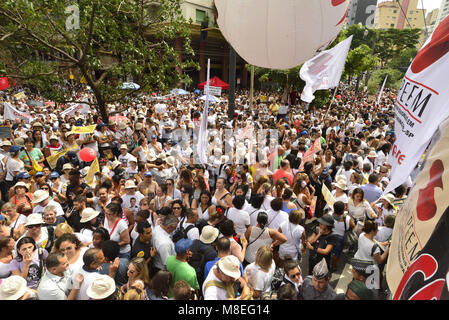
[198, 259]
[181, 233]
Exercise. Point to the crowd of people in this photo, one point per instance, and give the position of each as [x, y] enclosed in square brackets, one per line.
[155, 223]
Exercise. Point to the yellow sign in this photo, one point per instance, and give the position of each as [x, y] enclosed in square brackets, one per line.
[263, 98]
[328, 197]
[90, 177]
[20, 95]
[86, 129]
[83, 80]
[54, 157]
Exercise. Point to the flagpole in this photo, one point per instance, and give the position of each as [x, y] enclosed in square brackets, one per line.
[330, 104]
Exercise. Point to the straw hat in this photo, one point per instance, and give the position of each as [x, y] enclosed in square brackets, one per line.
[130, 184]
[40, 195]
[372, 154]
[209, 234]
[230, 266]
[151, 156]
[34, 219]
[21, 184]
[88, 214]
[115, 164]
[102, 287]
[67, 166]
[170, 161]
[389, 198]
[122, 126]
[139, 126]
[124, 146]
[12, 288]
[341, 184]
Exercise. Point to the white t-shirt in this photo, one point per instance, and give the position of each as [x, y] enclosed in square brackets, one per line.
[127, 200]
[13, 165]
[115, 236]
[40, 209]
[260, 280]
[383, 234]
[339, 226]
[276, 218]
[252, 212]
[89, 277]
[240, 218]
[125, 158]
[293, 245]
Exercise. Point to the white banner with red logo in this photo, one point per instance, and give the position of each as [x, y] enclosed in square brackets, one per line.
[418, 261]
[11, 113]
[422, 103]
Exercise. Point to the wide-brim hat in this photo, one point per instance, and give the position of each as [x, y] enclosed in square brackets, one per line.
[327, 220]
[170, 161]
[230, 266]
[372, 154]
[12, 288]
[209, 234]
[67, 166]
[40, 195]
[341, 184]
[34, 219]
[102, 287]
[88, 214]
[389, 198]
[130, 184]
[21, 184]
[151, 156]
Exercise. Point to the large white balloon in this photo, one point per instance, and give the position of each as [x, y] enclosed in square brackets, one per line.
[280, 34]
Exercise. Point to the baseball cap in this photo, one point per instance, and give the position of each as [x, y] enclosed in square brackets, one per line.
[148, 174]
[183, 245]
[54, 175]
[39, 174]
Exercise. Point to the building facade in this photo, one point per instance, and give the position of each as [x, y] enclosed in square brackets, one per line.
[405, 14]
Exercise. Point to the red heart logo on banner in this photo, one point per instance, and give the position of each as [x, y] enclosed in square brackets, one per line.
[434, 50]
[337, 2]
[426, 206]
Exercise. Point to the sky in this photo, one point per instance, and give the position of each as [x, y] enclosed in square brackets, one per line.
[428, 4]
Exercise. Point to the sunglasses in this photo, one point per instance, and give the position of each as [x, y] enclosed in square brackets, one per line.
[34, 226]
[177, 208]
[45, 188]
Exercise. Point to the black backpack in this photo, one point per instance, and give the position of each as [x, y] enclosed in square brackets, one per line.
[181, 233]
[198, 259]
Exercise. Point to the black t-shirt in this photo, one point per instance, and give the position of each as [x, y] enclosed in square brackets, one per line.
[140, 248]
[322, 243]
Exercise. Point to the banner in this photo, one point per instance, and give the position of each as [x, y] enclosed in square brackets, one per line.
[11, 113]
[81, 107]
[328, 197]
[86, 129]
[309, 154]
[422, 103]
[324, 70]
[202, 135]
[215, 91]
[90, 177]
[418, 261]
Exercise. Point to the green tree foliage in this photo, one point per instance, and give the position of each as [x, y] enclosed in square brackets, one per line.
[115, 40]
[377, 78]
[390, 43]
[359, 60]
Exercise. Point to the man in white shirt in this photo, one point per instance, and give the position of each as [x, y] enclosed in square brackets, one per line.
[131, 192]
[93, 258]
[124, 156]
[163, 242]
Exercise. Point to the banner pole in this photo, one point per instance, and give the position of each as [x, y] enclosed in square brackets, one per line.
[330, 104]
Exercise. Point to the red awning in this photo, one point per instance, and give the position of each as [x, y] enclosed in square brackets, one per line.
[215, 82]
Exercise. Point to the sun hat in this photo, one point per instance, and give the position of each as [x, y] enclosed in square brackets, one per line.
[67, 166]
[209, 234]
[88, 214]
[115, 164]
[183, 245]
[151, 156]
[39, 196]
[102, 287]
[12, 288]
[122, 126]
[389, 198]
[69, 133]
[130, 184]
[21, 184]
[327, 220]
[139, 126]
[230, 266]
[340, 183]
[6, 143]
[170, 161]
[34, 219]
[124, 146]
[372, 154]
[53, 138]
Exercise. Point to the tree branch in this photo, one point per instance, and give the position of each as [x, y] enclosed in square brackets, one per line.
[90, 34]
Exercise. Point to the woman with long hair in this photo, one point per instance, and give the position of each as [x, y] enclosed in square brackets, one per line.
[360, 209]
[73, 248]
[203, 205]
[137, 271]
[222, 197]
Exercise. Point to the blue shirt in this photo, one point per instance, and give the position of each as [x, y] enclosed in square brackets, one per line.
[372, 192]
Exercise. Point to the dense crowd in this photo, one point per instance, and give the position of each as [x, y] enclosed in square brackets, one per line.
[154, 223]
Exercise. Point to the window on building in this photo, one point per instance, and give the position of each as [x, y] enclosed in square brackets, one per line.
[392, 25]
[200, 15]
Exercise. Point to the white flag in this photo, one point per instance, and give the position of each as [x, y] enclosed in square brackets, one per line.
[382, 90]
[83, 108]
[422, 103]
[202, 135]
[324, 70]
[11, 113]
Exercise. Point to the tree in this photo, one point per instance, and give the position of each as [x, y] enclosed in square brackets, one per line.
[390, 43]
[359, 60]
[105, 42]
[377, 78]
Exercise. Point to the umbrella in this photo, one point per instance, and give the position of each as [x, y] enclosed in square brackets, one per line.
[130, 85]
[197, 91]
[212, 99]
[117, 119]
[179, 91]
